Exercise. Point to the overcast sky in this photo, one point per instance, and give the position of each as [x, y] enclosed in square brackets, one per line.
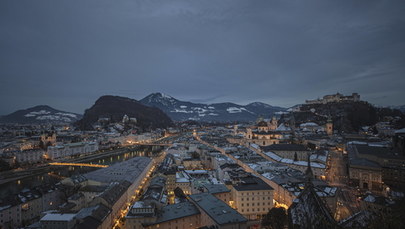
[68, 53]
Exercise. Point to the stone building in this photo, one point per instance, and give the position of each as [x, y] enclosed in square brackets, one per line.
[252, 197]
[263, 133]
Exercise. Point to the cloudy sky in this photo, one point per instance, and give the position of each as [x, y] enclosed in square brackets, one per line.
[68, 53]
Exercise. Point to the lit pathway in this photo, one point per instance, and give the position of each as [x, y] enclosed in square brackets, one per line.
[79, 164]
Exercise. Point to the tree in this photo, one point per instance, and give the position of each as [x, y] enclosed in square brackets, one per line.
[276, 218]
[178, 192]
[4, 166]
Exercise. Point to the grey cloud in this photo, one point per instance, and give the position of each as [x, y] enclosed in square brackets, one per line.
[68, 53]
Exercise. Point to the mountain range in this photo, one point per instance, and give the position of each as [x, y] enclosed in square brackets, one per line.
[401, 108]
[149, 111]
[179, 110]
[40, 114]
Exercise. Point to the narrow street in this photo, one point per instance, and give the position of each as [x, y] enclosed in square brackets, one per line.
[336, 173]
[337, 176]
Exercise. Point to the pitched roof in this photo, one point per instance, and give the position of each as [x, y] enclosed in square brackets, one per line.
[216, 209]
[216, 188]
[285, 147]
[113, 193]
[176, 211]
[309, 211]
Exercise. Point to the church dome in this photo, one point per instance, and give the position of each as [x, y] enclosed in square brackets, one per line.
[262, 124]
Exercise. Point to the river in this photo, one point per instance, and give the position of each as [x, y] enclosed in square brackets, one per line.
[59, 173]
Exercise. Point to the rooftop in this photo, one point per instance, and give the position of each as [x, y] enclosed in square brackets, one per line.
[380, 152]
[58, 217]
[252, 183]
[284, 147]
[128, 170]
[176, 211]
[114, 192]
[217, 210]
[216, 188]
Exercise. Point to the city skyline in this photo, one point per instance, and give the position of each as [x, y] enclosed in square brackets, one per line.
[66, 54]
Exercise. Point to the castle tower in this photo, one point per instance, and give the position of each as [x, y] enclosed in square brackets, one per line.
[329, 126]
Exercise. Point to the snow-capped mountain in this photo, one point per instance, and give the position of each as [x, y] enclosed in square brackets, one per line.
[401, 108]
[219, 112]
[40, 114]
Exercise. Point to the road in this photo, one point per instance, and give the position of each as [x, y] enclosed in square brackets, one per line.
[337, 176]
[336, 173]
[120, 222]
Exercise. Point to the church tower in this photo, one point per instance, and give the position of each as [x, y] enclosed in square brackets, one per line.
[329, 126]
[273, 123]
[249, 133]
[235, 129]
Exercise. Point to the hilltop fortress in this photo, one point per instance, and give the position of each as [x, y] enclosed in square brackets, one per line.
[355, 97]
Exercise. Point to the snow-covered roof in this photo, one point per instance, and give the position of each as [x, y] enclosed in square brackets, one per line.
[58, 217]
[283, 127]
[290, 161]
[400, 131]
[370, 198]
[309, 124]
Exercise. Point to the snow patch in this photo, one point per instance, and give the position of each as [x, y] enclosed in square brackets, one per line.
[67, 114]
[35, 113]
[233, 110]
[53, 118]
[181, 111]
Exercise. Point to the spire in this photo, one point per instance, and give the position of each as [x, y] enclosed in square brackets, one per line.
[308, 173]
